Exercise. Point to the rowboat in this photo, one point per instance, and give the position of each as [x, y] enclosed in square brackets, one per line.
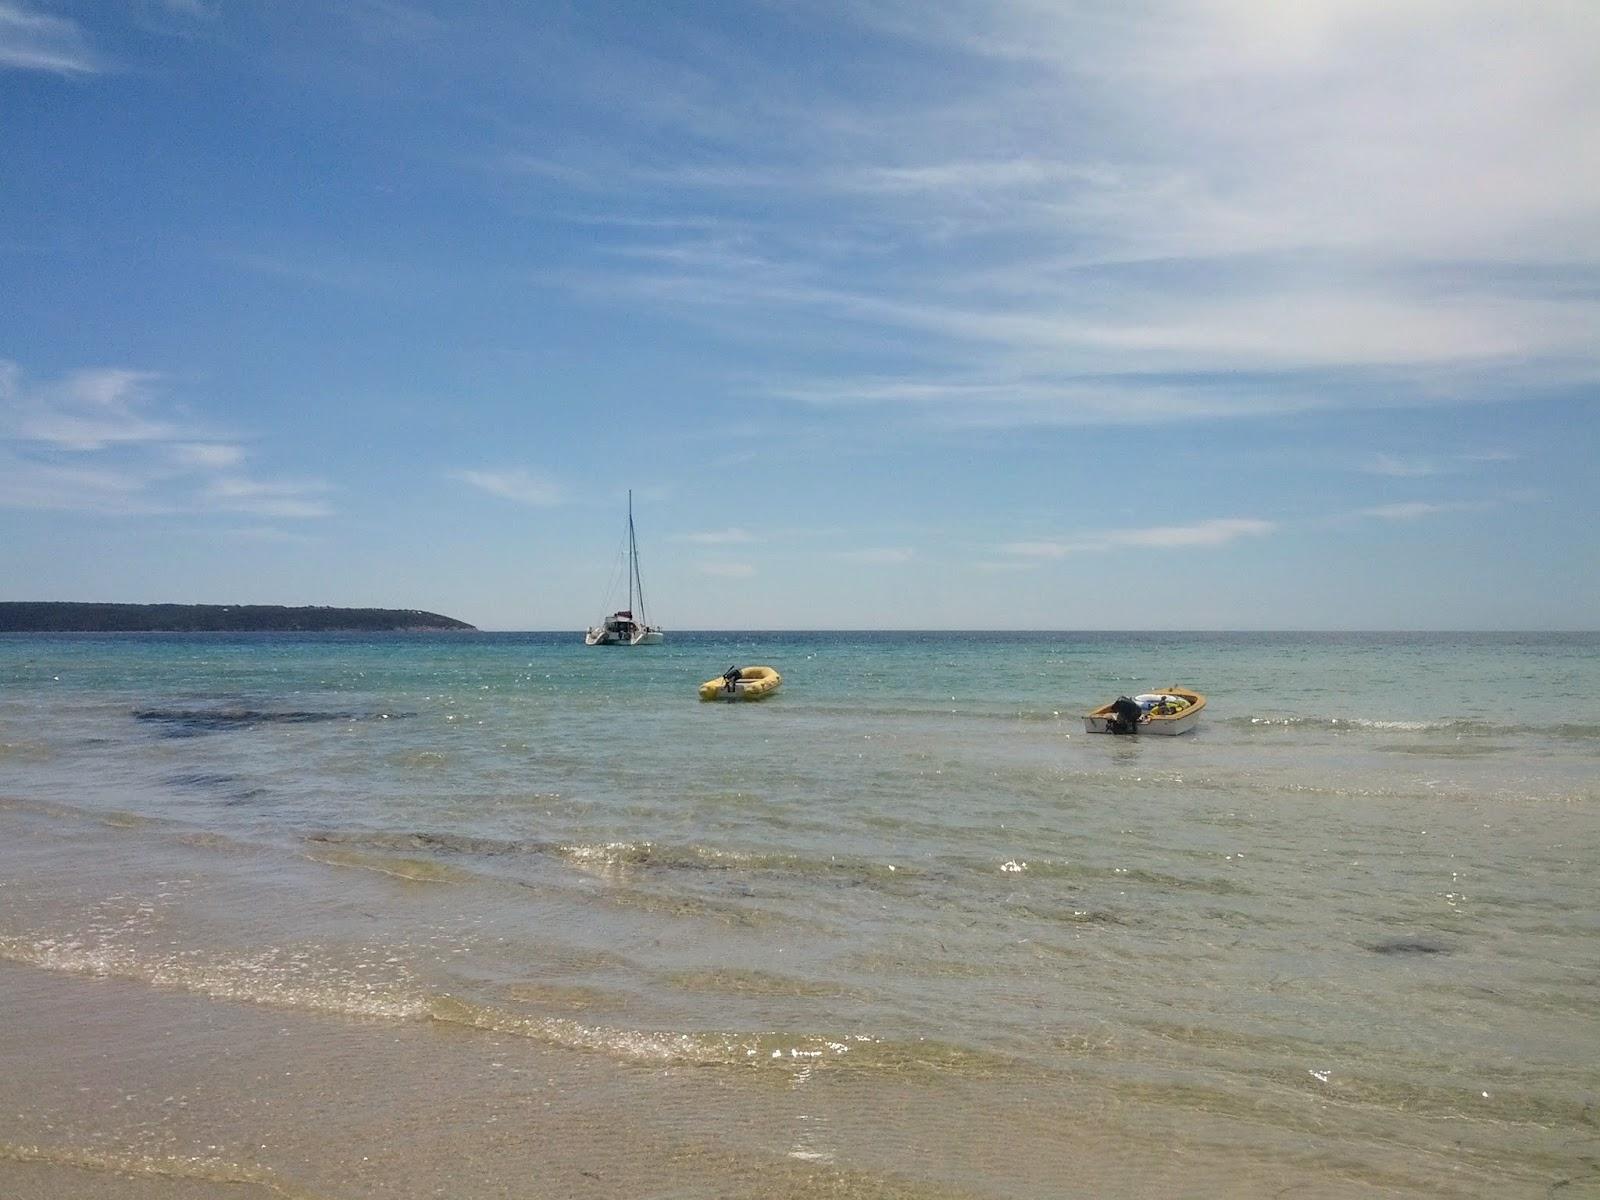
[1169, 711]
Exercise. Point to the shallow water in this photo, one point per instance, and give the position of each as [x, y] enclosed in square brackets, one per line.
[901, 926]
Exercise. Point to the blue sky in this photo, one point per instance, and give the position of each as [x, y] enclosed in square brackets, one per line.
[1012, 314]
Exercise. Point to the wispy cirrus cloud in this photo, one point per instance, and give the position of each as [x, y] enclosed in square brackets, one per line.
[90, 409]
[516, 484]
[1396, 467]
[105, 440]
[1176, 191]
[274, 498]
[991, 567]
[1415, 510]
[204, 9]
[718, 537]
[71, 486]
[206, 455]
[881, 556]
[270, 534]
[34, 41]
[1219, 531]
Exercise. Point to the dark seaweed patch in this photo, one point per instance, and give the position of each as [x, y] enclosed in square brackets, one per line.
[1409, 946]
[189, 722]
[443, 843]
[199, 779]
[230, 786]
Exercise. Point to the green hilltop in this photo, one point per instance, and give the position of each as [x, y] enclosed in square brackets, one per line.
[25, 616]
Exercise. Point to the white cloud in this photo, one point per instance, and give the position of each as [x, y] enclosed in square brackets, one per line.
[1398, 468]
[1325, 123]
[34, 41]
[886, 556]
[1090, 205]
[206, 455]
[276, 498]
[1041, 549]
[269, 534]
[1216, 532]
[990, 567]
[718, 537]
[89, 409]
[516, 484]
[1413, 510]
[101, 440]
[71, 486]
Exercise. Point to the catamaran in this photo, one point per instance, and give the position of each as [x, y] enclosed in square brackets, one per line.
[623, 628]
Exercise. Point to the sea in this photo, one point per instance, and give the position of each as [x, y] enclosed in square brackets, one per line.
[501, 915]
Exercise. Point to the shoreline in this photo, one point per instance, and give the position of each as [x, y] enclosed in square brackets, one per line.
[175, 1095]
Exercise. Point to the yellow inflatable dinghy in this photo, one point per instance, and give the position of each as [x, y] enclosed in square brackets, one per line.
[741, 683]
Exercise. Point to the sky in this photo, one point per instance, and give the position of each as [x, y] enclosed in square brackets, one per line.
[1017, 314]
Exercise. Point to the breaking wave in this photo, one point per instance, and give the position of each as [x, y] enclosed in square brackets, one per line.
[1455, 726]
[195, 1168]
[618, 858]
[294, 980]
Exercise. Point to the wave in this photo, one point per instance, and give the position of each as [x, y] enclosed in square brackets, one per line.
[610, 855]
[729, 1048]
[641, 863]
[29, 752]
[1214, 884]
[440, 843]
[1460, 727]
[285, 979]
[278, 978]
[634, 895]
[414, 870]
[195, 1168]
[115, 817]
[616, 858]
[747, 982]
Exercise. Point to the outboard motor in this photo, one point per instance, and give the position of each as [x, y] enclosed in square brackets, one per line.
[1125, 714]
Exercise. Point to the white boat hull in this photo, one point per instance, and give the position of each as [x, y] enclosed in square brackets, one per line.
[1165, 728]
[1154, 723]
[604, 637]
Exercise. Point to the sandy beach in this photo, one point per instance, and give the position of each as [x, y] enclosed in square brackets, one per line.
[118, 1091]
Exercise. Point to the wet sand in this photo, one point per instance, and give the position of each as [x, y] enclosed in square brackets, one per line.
[117, 1091]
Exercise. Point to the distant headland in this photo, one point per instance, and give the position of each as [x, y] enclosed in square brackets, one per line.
[24, 616]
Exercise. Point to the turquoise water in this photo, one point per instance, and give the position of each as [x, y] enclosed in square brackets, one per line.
[1344, 937]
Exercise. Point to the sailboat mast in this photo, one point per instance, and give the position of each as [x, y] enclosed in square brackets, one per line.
[635, 581]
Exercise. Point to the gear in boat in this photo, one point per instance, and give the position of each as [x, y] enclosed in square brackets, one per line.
[1169, 711]
[741, 683]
